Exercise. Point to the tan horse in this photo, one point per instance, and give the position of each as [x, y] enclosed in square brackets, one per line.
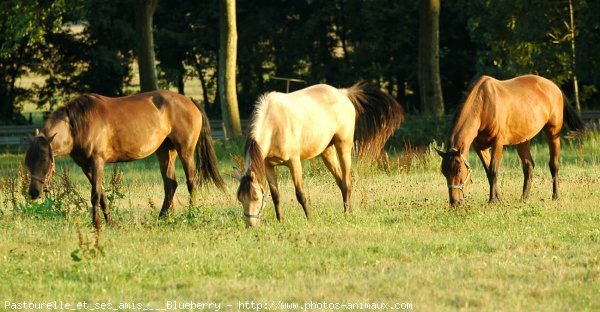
[316, 121]
[510, 112]
[95, 130]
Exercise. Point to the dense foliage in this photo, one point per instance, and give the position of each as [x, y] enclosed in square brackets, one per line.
[88, 46]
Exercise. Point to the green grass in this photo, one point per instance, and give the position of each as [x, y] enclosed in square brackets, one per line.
[402, 244]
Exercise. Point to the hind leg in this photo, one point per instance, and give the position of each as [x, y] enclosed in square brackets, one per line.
[166, 158]
[189, 167]
[272, 179]
[344, 151]
[330, 158]
[528, 165]
[296, 170]
[552, 136]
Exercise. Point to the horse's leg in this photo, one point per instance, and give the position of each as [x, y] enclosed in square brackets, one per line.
[485, 157]
[296, 170]
[493, 171]
[97, 173]
[330, 158]
[344, 151]
[528, 165]
[166, 159]
[189, 167]
[103, 200]
[552, 136]
[272, 179]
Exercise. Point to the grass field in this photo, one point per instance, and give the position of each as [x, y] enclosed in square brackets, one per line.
[403, 244]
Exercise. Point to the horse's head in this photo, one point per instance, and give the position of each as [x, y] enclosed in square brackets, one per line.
[39, 162]
[457, 171]
[251, 194]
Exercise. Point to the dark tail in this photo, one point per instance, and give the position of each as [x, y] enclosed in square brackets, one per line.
[206, 160]
[378, 116]
[573, 118]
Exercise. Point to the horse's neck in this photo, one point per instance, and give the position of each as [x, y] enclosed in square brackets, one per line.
[62, 143]
[465, 129]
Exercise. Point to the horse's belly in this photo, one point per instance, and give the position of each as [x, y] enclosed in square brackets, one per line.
[522, 131]
[135, 148]
[314, 145]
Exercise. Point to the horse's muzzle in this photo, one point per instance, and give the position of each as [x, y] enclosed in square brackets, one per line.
[34, 192]
[252, 222]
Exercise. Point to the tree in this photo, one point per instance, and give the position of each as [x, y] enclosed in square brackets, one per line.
[23, 26]
[227, 68]
[90, 52]
[430, 86]
[573, 55]
[144, 12]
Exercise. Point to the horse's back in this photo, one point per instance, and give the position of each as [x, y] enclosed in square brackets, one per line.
[521, 107]
[305, 121]
[133, 127]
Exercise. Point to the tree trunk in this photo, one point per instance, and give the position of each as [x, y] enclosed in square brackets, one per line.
[144, 12]
[430, 86]
[573, 56]
[227, 68]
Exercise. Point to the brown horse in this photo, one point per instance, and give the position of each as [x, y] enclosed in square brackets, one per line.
[318, 120]
[510, 112]
[95, 130]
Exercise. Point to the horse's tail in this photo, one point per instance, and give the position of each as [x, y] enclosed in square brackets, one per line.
[206, 159]
[378, 116]
[572, 117]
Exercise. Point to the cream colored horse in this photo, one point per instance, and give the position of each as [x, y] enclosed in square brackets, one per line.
[316, 121]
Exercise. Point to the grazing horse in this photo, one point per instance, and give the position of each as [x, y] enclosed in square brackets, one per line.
[318, 120]
[95, 130]
[509, 112]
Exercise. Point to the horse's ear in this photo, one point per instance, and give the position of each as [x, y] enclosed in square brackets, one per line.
[442, 154]
[37, 131]
[237, 174]
[252, 176]
[51, 138]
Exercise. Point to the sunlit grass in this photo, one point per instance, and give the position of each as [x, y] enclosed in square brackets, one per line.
[402, 244]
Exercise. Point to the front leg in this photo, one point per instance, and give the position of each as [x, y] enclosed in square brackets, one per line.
[296, 169]
[272, 179]
[493, 171]
[103, 200]
[485, 157]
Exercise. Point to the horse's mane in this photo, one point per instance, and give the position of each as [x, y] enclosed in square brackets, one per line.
[252, 149]
[468, 97]
[257, 114]
[76, 111]
[257, 165]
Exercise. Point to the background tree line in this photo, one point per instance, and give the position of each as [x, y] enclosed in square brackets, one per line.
[90, 46]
